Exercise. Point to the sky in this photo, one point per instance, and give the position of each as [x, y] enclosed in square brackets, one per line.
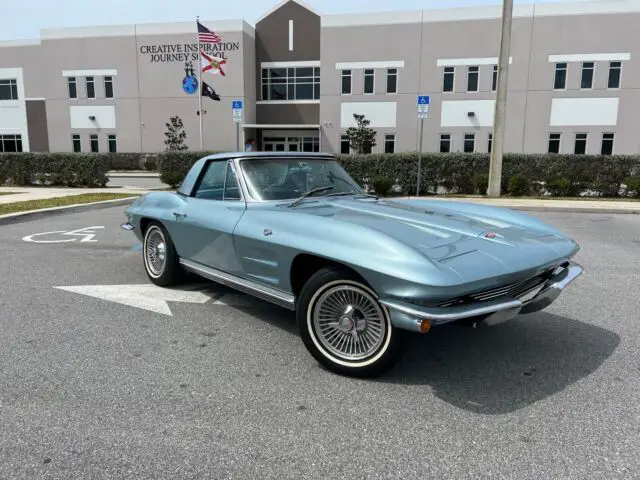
[24, 19]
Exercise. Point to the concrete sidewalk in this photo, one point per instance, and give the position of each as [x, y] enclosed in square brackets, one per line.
[20, 194]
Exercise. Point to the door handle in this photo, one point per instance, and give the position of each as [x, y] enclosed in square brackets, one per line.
[180, 215]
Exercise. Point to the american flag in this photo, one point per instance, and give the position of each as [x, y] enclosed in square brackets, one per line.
[207, 36]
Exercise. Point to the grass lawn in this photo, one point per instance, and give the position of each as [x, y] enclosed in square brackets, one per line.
[60, 202]
[8, 193]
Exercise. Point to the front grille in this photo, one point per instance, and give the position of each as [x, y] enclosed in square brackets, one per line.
[512, 290]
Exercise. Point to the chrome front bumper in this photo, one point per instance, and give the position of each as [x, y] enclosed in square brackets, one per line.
[411, 317]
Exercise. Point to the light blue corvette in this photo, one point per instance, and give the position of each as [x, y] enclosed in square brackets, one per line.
[360, 272]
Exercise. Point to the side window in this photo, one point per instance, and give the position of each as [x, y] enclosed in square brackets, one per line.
[212, 184]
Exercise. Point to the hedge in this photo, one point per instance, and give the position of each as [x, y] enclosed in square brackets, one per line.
[441, 173]
[53, 169]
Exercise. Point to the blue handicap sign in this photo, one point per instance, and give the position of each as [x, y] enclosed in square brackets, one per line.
[237, 104]
[424, 100]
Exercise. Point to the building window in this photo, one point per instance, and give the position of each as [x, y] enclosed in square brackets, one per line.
[473, 77]
[108, 87]
[392, 80]
[113, 145]
[369, 81]
[469, 142]
[607, 144]
[554, 143]
[10, 143]
[587, 75]
[615, 72]
[448, 79]
[345, 149]
[75, 141]
[8, 89]
[580, 145]
[299, 83]
[490, 143]
[346, 82]
[91, 88]
[72, 87]
[310, 144]
[494, 80]
[445, 143]
[389, 143]
[560, 81]
[94, 143]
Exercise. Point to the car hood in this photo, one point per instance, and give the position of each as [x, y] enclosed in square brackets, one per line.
[445, 235]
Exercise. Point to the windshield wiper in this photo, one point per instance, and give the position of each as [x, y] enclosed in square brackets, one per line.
[355, 194]
[308, 194]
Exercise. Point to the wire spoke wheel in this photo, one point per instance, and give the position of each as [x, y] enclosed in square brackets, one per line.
[349, 322]
[155, 251]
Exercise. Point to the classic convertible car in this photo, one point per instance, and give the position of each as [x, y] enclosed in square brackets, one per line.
[360, 272]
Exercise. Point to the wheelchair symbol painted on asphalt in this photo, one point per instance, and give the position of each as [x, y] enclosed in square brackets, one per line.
[86, 234]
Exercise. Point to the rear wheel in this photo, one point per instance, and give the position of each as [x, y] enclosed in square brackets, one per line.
[160, 257]
[344, 327]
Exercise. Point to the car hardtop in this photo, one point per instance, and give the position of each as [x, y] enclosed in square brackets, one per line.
[186, 187]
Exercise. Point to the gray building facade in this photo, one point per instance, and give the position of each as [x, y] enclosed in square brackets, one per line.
[574, 81]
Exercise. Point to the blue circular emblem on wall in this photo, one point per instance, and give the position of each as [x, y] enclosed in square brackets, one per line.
[190, 81]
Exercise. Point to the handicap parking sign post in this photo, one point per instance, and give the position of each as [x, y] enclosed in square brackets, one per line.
[423, 113]
[237, 107]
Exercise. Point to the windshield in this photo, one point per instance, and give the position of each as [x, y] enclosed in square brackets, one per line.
[289, 178]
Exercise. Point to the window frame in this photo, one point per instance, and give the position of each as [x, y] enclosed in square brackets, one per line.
[613, 143]
[449, 140]
[108, 80]
[386, 142]
[74, 137]
[16, 138]
[549, 140]
[290, 84]
[556, 70]
[72, 81]
[344, 74]
[373, 81]
[445, 72]
[392, 72]
[575, 142]
[464, 142]
[477, 73]
[583, 69]
[611, 69]
[90, 81]
[12, 86]
[112, 138]
[489, 142]
[494, 79]
[345, 138]
[94, 137]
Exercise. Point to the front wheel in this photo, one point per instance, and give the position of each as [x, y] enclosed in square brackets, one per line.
[160, 256]
[344, 327]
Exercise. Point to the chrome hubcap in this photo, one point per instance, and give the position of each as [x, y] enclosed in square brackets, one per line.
[156, 252]
[349, 322]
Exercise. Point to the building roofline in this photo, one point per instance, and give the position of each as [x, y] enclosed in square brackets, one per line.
[161, 28]
[20, 42]
[283, 3]
[531, 10]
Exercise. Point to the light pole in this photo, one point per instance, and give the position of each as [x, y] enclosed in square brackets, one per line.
[499, 121]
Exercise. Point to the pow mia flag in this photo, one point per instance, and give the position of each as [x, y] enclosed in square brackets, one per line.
[208, 91]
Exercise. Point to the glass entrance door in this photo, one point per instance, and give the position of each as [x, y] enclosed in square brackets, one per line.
[291, 144]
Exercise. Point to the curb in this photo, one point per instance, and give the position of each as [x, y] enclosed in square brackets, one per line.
[29, 215]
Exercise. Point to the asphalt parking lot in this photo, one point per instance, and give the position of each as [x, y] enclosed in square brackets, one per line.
[221, 386]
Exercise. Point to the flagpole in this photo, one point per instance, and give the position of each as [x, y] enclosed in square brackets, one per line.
[199, 83]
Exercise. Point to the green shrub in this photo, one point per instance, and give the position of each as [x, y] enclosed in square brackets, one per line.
[54, 169]
[173, 179]
[382, 185]
[633, 186]
[558, 186]
[481, 183]
[519, 185]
